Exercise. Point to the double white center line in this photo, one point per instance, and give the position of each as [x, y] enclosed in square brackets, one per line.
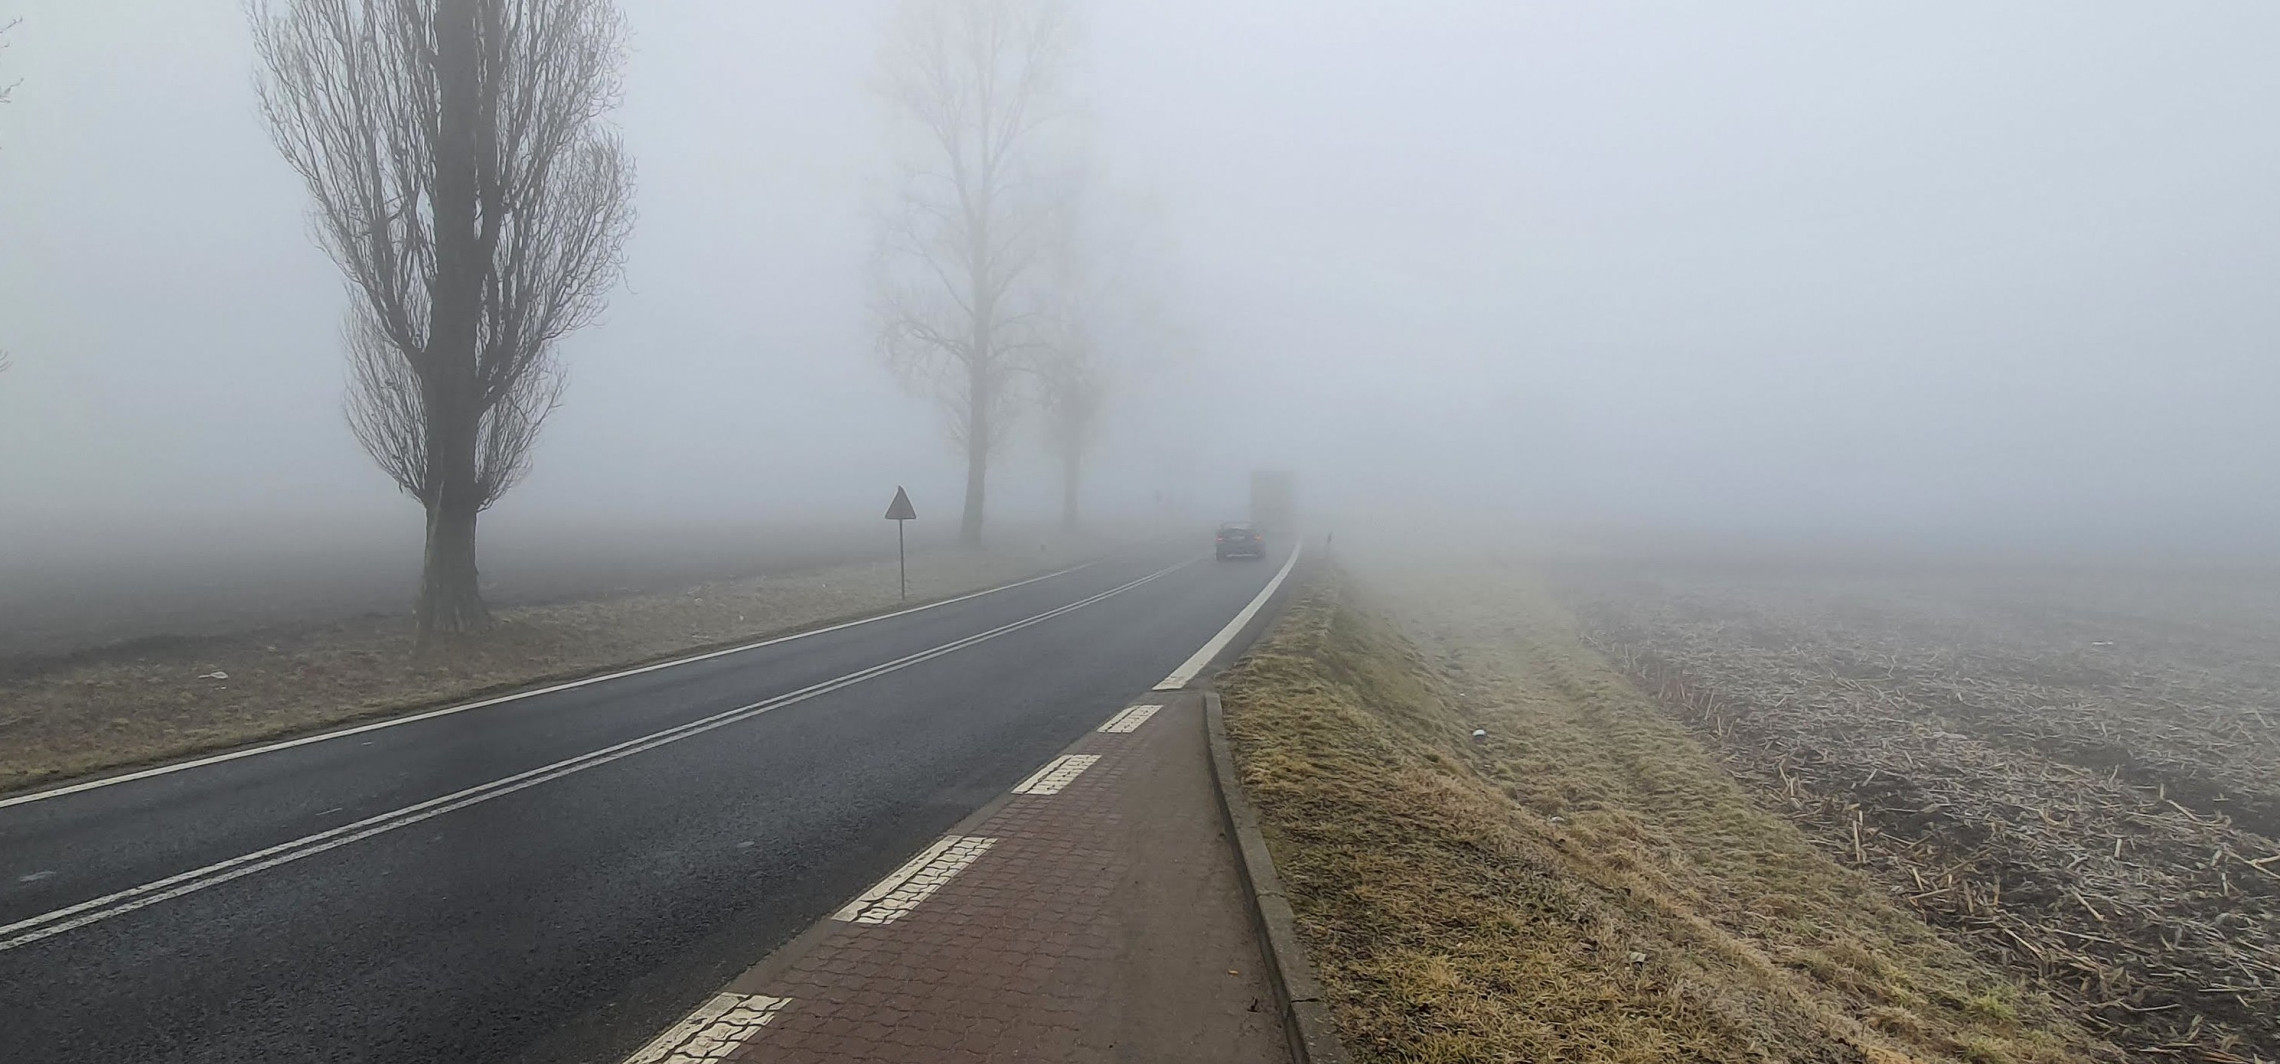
[33, 929]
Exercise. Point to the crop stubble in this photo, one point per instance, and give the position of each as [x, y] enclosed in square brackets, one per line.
[2078, 774]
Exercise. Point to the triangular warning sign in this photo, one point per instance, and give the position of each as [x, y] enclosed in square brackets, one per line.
[899, 510]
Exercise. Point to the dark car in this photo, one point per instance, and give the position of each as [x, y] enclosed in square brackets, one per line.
[1239, 539]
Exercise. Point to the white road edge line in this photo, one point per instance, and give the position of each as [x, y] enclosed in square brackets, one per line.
[1187, 670]
[1057, 774]
[711, 1033]
[130, 899]
[1128, 720]
[414, 718]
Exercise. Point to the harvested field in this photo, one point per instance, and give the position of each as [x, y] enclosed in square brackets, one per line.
[2075, 773]
[1586, 883]
[157, 699]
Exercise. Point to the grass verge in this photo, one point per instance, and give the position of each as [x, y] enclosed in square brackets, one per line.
[1585, 884]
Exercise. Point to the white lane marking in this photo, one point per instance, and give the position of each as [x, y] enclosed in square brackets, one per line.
[414, 718]
[174, 886]
[712, 1032]
[36, 876]
[1187, 670]
[1128, 720]
[1056, 774]
[891, 898]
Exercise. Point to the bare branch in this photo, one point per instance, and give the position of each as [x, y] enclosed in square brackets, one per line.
[8, 89]
[383, 403]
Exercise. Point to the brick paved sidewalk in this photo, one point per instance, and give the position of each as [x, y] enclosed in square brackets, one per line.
[1097, 915]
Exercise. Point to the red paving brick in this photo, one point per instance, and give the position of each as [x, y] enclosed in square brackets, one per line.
[1106, 923]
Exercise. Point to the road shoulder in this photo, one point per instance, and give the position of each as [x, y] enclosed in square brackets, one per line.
[1305, 1011]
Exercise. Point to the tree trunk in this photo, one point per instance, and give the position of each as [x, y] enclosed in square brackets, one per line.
[977, 455]
[979, 380]
[451, 600]
[1072, 468]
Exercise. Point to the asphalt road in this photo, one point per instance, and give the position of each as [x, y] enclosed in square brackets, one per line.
[557, 877]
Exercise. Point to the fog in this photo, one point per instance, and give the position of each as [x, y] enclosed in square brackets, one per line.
[1960, 274]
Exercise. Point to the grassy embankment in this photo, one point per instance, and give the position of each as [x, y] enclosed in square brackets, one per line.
[1586, 884]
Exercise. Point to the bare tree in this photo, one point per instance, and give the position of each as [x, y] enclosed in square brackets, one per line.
[1103, 317]
[468, 189]
[1072, 388]
[979, 84]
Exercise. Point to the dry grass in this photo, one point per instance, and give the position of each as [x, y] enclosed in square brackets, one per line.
[154, 700]
[1587, 884]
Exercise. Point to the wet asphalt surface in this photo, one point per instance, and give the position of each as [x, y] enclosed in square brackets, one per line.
[572, 912]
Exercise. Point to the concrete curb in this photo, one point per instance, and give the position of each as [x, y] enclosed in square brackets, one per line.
[1305, 1013]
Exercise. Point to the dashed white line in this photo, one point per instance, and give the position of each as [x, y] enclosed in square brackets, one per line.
[713, 1031]
[1056, 774]
[1130, 719]
[891, 898]
[1194, 664]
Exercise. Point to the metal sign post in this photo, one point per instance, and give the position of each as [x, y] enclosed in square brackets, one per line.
[899, 511]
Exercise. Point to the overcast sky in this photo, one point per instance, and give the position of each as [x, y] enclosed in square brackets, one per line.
[1926, 269]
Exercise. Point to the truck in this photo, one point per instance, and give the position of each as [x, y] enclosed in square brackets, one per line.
[1274, 507]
